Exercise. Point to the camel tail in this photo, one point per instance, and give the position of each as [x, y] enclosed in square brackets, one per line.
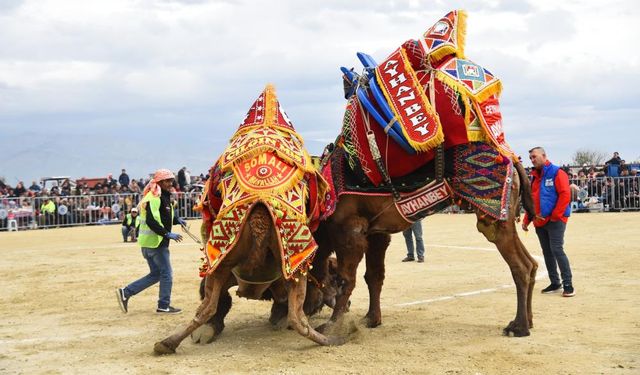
[525, 190]
[260, 226]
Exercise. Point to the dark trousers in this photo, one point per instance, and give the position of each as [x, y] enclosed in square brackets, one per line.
[551, 237]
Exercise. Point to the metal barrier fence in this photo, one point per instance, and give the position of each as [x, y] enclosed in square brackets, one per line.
[47, 212]
[605, 194]
[588, 195]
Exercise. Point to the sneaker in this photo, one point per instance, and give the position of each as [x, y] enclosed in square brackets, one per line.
[552, 288]
[122, 301]
[568, 291]
[408, 259]
[420, 259]
[168, 310]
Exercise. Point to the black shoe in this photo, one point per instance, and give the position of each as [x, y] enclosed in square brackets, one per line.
[420, 259]
[408, 259]
[169, 310]
[122, 301]
[568, 291]
[552, 288]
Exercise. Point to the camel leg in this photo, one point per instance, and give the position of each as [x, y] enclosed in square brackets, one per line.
[208, 332]
[349, 256]
[504, 236]
[297, 319]
[534, 270]
[206, 287]
[206, 311]
[374, 276]
[279, 309]
[323, 291]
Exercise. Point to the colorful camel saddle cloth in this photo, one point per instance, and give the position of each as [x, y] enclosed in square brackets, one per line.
[479, 90]
[423, 94]
[475, 172]
[446, 37]
[462, 123]
[415, 118]
[297, 246]
[483, 178]
[287, 145]
[425, 201]
[266, 163]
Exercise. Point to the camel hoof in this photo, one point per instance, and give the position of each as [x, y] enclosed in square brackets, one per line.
[281, 324]
[517, 331]
[323, 328]
[372, 322]
[279, 312]
[205, 334]
[162, 348]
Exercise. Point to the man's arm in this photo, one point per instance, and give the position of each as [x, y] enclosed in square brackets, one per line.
[177, 220]
[564, 195]
[153, 224]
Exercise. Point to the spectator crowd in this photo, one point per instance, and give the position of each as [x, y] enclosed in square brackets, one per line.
[613, 186]
[91, 201]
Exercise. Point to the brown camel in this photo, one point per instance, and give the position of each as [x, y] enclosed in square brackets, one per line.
[257, 252]
[320, 294]
[362, 225]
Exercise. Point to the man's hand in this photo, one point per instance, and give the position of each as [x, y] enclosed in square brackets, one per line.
[182, 221]
[174, 236]
[525, 226]
[538, 219]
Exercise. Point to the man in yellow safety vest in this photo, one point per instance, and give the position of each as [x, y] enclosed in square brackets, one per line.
[156, 219]
[48, 209]
[131, 226]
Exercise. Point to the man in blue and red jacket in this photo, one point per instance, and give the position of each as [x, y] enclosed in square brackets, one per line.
[552, 199]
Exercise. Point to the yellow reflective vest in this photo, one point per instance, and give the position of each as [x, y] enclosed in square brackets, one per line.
[130, 219]
[48, 208]
[147, 237]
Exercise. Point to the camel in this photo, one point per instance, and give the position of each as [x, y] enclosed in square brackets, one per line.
[426, 111]
[259, 207]
[357, 228]
[257, 251]
[322, 293]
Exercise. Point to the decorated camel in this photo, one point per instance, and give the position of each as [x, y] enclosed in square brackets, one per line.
[322, 293]
[258, 222]
[422, 130]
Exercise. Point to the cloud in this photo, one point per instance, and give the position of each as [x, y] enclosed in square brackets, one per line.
[9, 5]
[189, 70]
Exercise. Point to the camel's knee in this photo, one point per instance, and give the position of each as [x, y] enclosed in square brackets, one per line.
[373, 278]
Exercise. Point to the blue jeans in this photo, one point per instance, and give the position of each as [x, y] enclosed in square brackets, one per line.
[159, 270]
[551, 237]
[416, 229]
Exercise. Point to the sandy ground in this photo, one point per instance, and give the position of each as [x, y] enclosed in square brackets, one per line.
[59, 315]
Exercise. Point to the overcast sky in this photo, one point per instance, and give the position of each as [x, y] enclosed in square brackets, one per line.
[90, 87]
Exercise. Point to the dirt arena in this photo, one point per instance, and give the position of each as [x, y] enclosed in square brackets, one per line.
[59, 313]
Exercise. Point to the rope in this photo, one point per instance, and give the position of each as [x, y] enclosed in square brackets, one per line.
[390, 124]
[382, 211]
